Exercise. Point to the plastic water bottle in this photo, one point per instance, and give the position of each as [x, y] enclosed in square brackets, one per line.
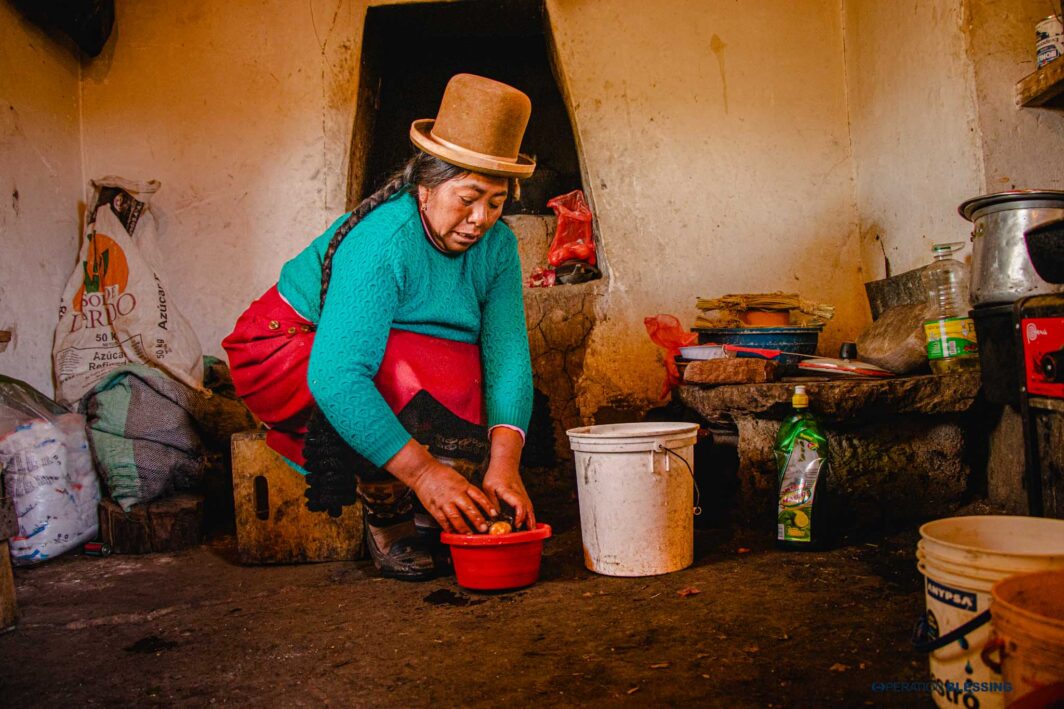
[950, 333]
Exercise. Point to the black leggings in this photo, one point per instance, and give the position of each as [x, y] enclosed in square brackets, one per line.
[338, 475]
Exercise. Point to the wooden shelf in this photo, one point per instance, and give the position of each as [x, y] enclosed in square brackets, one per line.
[1044, 88]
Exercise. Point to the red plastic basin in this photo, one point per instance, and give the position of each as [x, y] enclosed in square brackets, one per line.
[495, 562]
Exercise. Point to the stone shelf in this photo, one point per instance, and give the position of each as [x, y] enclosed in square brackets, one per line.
[561, 292]
[901, 450]
[839, 400]
[1042, 89]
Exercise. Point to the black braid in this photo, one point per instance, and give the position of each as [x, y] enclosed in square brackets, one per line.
[391, 187]
[422, 169]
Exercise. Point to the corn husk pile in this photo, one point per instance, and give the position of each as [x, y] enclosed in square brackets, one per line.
[724, 311]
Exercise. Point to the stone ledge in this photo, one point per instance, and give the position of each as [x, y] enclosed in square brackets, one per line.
[878, 473]
[597, 287]
[839, 400]
[901, 450]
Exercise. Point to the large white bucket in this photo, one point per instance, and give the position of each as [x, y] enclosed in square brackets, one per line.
[961, 558]
[635, 482]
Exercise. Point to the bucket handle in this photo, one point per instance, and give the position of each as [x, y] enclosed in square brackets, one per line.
[921, 643]
[997, 644]
[698, 493]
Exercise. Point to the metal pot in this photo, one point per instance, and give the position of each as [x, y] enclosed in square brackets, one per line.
[1045, 246]
[1001, 269]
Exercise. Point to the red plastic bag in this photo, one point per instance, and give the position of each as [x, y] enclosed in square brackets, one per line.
[667, 333]
[573, 240]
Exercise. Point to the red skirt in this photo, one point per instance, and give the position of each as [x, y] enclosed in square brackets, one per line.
[269, 350]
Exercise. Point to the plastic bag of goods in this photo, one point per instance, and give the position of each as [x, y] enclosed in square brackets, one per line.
[896, 341]
[573, 238]
[48, 472]
[116, 308]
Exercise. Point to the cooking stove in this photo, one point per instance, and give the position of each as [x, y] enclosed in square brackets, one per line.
[1039, 325]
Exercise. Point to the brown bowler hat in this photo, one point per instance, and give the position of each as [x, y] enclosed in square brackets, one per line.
[479, 127]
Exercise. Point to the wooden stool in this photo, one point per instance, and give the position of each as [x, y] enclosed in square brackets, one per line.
[273, 524]
[8, 528]
[167, 524]
[8, 606]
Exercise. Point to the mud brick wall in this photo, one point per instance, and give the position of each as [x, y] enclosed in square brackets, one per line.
[560, 320]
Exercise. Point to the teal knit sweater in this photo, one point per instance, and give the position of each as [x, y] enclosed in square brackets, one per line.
[386, 274]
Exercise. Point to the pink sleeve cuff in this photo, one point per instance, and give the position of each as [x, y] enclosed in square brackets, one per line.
[506, 425]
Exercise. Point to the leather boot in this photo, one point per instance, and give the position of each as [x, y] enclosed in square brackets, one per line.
[395, 546]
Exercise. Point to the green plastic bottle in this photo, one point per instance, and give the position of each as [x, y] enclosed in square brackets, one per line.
[802, 461]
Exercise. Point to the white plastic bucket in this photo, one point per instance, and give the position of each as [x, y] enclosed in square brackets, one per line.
[635, 484]
[961, 558]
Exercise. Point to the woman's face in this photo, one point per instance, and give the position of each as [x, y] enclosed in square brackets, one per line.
[460, 211]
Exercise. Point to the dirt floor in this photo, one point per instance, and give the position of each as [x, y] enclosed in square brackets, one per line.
[745, 626]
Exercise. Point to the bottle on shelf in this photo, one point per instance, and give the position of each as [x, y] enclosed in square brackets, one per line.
[950, 332]
[801, 451]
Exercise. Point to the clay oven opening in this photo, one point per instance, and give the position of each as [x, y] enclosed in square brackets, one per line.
[409, 53]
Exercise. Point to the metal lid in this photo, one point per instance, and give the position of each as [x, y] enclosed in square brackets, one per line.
[969, 207]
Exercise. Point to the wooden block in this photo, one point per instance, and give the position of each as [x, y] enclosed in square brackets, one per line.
[8, 518]
[743, 370]
[273, 524]
[169, 524]
[8, 606]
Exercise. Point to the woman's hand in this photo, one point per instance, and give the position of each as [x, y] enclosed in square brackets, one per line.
[452, 500]
[503, 483]
[447, 496]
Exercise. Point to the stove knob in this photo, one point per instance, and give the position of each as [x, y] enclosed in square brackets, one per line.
[1052, 365]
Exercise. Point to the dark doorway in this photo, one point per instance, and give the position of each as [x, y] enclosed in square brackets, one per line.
[410, 51]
